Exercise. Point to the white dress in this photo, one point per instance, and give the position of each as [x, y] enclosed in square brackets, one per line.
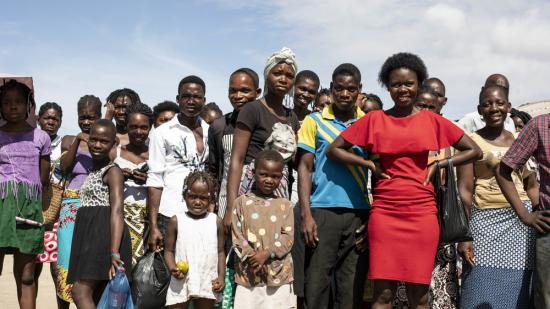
[197, 243]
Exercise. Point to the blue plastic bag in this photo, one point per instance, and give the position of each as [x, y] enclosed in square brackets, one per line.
[117, 294]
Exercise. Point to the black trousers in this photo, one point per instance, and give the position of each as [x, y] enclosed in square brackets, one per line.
[331, 267]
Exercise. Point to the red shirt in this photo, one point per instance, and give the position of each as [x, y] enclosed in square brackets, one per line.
[403, 144]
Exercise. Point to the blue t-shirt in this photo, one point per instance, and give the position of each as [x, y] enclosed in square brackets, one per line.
[333, 184]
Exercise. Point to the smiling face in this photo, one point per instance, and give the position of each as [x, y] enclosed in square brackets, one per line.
[87, 116]
[50, 121]
[191, 99]
[345, 90]
[14, 106]
[493, 106]
[305, 91]
[197, 197]
[403, 85]
[241, 90]
[280, 79]
[138, 129]
[101, 140]
[120, 105]
[268, 175]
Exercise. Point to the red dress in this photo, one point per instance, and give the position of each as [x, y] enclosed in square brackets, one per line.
[403, 227]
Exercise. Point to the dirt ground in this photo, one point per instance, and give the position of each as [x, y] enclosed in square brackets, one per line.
[8, 293]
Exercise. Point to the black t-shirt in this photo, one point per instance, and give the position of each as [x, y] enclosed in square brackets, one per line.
[259, 120]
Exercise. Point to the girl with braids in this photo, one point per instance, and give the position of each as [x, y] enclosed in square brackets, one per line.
[195, 237]
[117, 103]
[24, 166]
[132, 159]
[75, 165]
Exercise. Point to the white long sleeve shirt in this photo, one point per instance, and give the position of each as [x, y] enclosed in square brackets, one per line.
[172, 156]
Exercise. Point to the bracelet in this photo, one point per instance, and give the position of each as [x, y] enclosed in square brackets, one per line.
[114, 254]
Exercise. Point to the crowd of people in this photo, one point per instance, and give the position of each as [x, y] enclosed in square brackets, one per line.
[300, 197]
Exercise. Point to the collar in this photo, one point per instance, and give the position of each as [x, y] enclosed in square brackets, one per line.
[328, 112]
[174, 122]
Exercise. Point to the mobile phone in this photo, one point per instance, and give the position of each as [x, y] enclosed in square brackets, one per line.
[144, 168]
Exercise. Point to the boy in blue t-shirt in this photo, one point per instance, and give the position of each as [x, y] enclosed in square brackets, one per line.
[333, 199]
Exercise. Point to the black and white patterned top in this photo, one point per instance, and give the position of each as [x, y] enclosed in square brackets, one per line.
[94, 192]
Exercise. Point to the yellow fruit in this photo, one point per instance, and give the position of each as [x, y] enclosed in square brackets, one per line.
[182, 266]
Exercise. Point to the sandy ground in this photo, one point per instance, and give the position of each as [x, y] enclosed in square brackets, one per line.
[8, 294]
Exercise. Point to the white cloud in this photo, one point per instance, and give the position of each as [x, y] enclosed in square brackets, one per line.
[462, 42]
[447, 16]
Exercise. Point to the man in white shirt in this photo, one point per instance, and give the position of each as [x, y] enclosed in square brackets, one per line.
[176, 148]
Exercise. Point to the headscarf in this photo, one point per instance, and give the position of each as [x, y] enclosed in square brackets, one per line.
[285, 55]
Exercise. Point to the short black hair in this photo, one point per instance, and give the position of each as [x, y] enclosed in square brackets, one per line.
[91, 101]
[402, 60]
[212, 106]
[322, 92]
[23, 89]
[269, 155]
[307, 74]
[140, 108]
[105, 123]
[165, 106]
[124, 92]
[524, 116]
[50, 105]
[426, 89]
[347, 69]
[373, 97]
[492, 87]
[192, 79]
[251, 73]
[435, 80]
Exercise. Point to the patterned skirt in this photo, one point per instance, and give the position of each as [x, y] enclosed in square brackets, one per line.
[135, 215]
[504, 250]
[50, 246]
[67, 217]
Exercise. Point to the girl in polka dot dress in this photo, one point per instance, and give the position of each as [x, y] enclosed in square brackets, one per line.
[263, 234]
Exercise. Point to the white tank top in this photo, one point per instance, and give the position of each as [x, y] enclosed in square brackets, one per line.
[197, 243]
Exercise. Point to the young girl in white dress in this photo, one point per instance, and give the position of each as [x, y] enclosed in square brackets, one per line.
[195, 237]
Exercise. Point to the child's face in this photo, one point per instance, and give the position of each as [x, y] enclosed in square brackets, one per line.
[50, 121]
[164, 117]
[427, 101]
[267, 176]
[197, 198]
[323, 101]
[138, 129]
[14, 107]
[100, 142]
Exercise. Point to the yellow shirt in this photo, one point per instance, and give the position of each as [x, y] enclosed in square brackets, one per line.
[487, 193]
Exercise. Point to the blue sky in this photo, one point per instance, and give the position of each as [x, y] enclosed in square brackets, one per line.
[72, 48]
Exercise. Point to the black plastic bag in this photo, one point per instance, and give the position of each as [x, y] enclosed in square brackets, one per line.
[150, 281]
[453, 222]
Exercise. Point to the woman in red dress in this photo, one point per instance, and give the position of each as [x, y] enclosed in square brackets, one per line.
[403, 230]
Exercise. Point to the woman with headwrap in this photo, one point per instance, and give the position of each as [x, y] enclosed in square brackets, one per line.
[262, 124]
